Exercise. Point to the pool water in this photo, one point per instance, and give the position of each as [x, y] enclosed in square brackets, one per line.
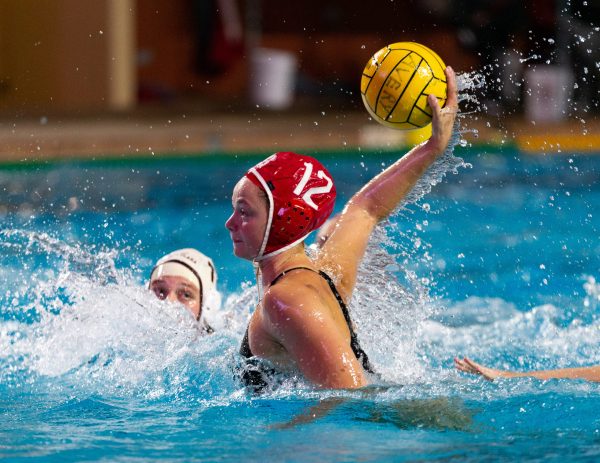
[499, 261]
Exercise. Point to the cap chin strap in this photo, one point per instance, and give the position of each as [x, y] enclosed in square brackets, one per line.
[267, 191]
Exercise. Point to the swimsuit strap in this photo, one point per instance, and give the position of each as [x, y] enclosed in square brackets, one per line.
[245, 346]
[354, 344]
[257, 376]
[245, 350]
[282, 274]
[360, 354]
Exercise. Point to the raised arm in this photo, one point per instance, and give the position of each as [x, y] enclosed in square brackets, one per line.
[469, 366]
[383, 193]
[377, 199]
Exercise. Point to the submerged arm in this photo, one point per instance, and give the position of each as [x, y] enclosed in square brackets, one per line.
[469, 366]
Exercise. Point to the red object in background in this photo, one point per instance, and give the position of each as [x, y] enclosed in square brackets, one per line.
[219, 35]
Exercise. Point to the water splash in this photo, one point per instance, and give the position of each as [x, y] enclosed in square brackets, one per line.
[94, 328]
[497, 333]
[591, 302]
[391, 300]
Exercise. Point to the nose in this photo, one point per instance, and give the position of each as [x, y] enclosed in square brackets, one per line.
[229, 223]
[172, 296]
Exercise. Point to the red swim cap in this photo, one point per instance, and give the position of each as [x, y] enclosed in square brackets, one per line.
[301, 197]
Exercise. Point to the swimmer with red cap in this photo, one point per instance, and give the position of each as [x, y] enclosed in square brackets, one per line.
[302, 322]
[187, 277]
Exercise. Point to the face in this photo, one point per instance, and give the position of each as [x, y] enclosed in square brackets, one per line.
[248, 221]
[178, 289]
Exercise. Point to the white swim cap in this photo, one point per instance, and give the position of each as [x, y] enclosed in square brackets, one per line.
[195, 267]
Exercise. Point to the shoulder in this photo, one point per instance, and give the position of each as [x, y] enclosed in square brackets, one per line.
[295, 297]
[295, 311]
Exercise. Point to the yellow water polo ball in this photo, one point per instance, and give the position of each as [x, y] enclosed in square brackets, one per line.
[396, 82]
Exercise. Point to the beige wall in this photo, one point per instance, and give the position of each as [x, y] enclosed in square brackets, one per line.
[65, 54]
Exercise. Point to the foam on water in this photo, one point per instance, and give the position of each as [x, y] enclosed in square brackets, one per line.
[391, 301]
[80, 328]
[101, 331]
[77, 317]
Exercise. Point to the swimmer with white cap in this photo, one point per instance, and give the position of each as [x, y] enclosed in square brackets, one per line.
[302, 322]
[187, 276]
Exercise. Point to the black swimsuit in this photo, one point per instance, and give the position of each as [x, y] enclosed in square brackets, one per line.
[256, 376]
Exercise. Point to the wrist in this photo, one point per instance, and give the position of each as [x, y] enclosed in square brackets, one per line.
[433, 147]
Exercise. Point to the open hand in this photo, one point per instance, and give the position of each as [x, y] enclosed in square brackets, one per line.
[469, 366]
[443, 118]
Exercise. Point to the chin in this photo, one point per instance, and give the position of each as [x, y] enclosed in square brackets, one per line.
[238, 251]
[241, 252]
[245, 256]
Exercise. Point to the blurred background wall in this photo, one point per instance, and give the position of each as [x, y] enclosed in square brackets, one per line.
[67, 54]
[113, 55]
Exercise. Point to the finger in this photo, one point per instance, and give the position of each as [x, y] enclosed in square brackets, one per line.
[433, 103]
[463, 368]
[451, 92]
[460, 365]
[458, 361]
[470, 362]
[475, 366]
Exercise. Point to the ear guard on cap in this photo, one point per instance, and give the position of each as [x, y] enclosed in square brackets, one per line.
[291, 222]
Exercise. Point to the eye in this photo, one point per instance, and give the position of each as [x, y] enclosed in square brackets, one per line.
[187, 295]
[160, 293]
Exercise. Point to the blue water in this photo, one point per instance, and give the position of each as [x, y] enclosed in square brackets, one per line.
[500, 261]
